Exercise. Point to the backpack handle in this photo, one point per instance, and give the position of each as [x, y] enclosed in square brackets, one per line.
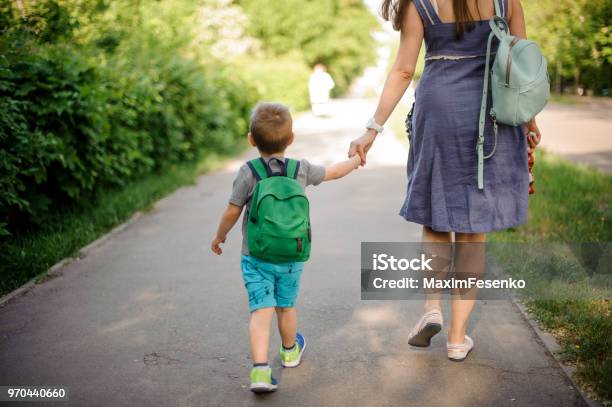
[499, 26]
[261, 169]
[282, 165]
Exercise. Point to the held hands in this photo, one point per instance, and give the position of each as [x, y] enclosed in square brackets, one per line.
[215, 245]
[360, 146]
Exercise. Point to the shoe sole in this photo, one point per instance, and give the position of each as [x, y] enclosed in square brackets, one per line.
[297, 362]
[423, 338]
[263, 387]
[460, 359]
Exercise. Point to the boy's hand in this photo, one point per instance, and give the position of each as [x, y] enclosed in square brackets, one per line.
[215, 245]
[339, 170]
[356, 160]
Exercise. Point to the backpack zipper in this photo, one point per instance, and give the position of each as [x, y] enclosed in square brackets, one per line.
[515, 40]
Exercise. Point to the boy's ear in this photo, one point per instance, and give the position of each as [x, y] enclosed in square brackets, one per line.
[291, 139]
[251, 139]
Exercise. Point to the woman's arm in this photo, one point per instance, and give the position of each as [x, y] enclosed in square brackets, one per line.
[402, 70]
[517, 19]
[518, 28]
[398, 78]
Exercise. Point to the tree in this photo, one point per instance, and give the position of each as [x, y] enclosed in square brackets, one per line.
[337, 33]
[576, 37]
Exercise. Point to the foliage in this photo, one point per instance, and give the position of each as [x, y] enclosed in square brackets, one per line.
[337, 33]
[96, 94]
[78, 115]
[576, 37]
[282, 79]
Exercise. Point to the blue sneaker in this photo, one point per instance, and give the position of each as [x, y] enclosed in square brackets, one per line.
[262, 381]
[293, 357]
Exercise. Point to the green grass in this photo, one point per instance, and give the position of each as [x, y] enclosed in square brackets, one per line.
[583, 329]
[575, 100]
[571, 204]
[564, 99]
[68, 230]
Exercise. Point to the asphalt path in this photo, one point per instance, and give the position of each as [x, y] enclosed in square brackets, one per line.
[151, 317]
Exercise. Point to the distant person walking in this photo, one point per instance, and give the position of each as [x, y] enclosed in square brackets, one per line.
[319, 86]
[442, 192]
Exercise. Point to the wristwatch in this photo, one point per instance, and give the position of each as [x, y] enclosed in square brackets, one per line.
[371, 124]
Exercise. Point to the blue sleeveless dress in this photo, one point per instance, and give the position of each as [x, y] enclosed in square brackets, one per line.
[442, 188]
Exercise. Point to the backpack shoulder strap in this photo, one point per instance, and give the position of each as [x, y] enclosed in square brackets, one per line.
[293, 167]
[501, 8]
[481, 122]
[259, 168]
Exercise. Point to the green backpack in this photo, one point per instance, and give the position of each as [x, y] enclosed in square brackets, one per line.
[278, 229]
[520, 85]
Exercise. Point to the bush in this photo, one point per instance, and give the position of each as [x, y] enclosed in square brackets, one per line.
[70, 125]
[96, 93]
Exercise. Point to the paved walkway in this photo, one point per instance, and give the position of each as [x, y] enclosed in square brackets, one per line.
[581, 133]
[152, 318]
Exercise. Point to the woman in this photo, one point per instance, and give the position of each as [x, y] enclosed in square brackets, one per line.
[442, 193]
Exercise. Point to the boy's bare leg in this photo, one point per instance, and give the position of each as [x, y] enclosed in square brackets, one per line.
[287, 325]
[259, 333]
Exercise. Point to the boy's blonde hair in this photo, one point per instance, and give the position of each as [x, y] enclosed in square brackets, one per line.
[271, 127]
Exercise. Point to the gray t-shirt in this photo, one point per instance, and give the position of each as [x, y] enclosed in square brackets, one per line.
[244, 184]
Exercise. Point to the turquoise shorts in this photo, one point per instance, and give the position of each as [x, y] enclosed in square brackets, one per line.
[271, 285]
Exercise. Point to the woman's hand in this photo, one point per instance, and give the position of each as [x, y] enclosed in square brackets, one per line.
[362, 145]
[532, 127]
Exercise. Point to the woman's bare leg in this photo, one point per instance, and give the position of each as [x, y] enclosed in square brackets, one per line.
[440, 245]
[469, 259]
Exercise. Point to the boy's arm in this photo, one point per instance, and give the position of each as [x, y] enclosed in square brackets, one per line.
[339, 170]
[228, 220]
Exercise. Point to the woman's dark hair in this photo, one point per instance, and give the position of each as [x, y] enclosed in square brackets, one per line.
[394, 11]
[464, 21]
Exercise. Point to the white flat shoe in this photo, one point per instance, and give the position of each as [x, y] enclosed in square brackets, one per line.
[459, 352]
[427, 327]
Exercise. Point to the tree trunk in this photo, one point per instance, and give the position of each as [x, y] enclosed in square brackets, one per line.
[21, 8]
[577, 78]
[558, 77]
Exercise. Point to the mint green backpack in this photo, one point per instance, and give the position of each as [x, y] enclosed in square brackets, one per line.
[520, 85]
[278, 229]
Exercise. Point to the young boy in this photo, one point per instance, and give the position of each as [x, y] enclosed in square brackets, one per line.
[271, 286]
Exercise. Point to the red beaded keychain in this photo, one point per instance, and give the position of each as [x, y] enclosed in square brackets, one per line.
[530, 161]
